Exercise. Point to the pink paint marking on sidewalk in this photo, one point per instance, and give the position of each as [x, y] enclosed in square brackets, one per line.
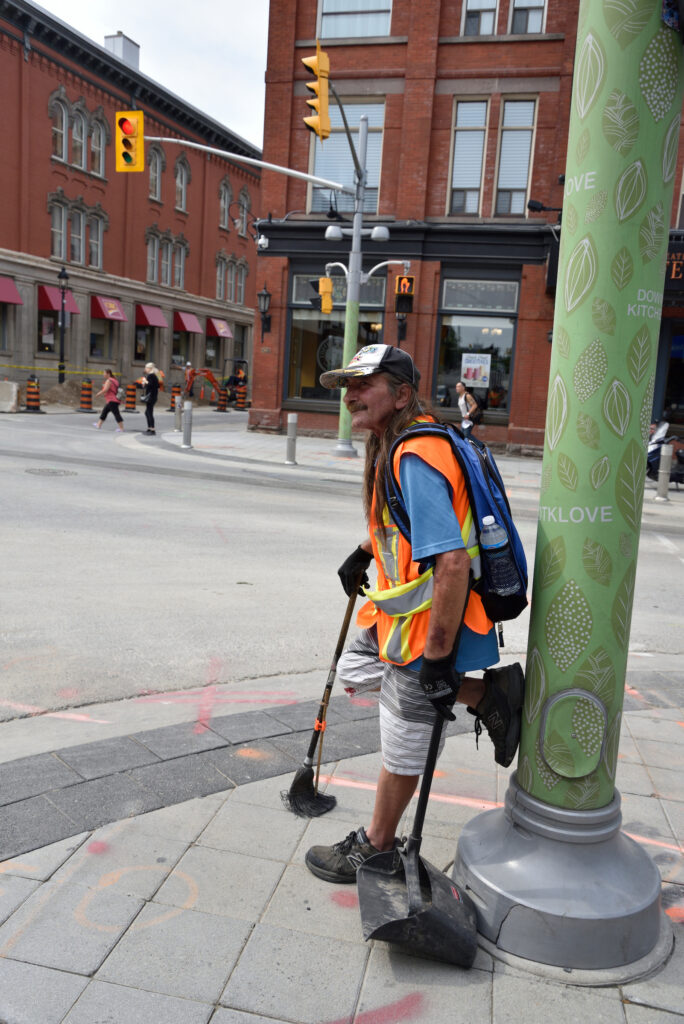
[411, 1007]
[70, 716]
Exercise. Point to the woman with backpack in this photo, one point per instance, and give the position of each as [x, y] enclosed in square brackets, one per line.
[110, 389]
[470, 410]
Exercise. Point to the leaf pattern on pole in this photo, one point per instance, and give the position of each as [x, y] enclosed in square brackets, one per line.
[588, 430]
[622, 268]
[620, 122]
[557, 414]
[603, 315]
[629, 482]
[646, 410]
[595, 206]
[589, 74]
[599, 472]
[567, 472]
[652, 233]
[568, 625]
[610, 751]
[551, 565]
[597, 675]
[670, 146]
[590, 370]
[626, 19]
[548, 777]
[621, 613]
[659, 71]
[617, 407]
[639, 354]
[597, 562]
[535, 685]
[630, 190]
[581, 273]
[584, 793]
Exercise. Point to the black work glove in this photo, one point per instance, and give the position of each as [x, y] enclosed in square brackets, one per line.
[352, 568]
[440, 682]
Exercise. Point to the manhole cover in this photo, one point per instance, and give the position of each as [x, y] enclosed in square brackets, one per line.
[52, 472]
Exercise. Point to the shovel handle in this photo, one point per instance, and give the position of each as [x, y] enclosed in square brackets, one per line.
[425, 786]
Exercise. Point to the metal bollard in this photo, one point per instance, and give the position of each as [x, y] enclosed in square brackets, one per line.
[664, 468]
[177, 414]
[187, 424]
[291, 439]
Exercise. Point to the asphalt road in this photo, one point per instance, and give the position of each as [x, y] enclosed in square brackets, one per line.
[128, 569]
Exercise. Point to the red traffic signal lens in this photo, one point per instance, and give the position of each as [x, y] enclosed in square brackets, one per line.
[126, 126]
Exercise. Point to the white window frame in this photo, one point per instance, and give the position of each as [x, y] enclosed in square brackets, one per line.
[182, 176]
[79, 140]
[220, 278]
[58, 231]
[467, 130]
[153, 258]
[77, 226]
[225, 199]
[241, 278]
[230, 281]
[503, 130]
[154, 191]
[481, 7]
[97, 150]
[332, 23]
[179, 255]
[165, 262]
[529, 6]
[60, 132]
[95, 237]
[343, 165]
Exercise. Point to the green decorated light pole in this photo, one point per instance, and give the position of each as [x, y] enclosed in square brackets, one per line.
[558, 882]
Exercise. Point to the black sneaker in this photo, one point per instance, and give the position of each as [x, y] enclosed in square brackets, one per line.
[501, 710]
[338, 863]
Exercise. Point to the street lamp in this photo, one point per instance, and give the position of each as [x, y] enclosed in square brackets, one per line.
[536, 207]
[63, 279]
[264, 302]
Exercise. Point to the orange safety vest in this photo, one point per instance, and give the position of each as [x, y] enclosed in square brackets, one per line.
[400, 605]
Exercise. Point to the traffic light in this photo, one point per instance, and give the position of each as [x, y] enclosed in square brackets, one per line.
[320, 67]
[323, 300]
[130, 144]
[404, 290]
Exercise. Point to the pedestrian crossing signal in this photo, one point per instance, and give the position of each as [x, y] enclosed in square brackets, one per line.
[129, 140]
[404, 290]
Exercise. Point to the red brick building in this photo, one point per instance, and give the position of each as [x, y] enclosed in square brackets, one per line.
[468, 105]
[160, 264]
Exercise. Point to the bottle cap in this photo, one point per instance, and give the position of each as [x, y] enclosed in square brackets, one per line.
[488, 521]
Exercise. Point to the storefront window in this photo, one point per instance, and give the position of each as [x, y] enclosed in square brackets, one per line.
[47, 331]
[674, 387]
[476, 342]
[180, 348]
[144, 344]
[101, 339]
[4, 333]
[317, 339]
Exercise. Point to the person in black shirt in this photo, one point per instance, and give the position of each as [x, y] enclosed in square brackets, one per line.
[150, 392]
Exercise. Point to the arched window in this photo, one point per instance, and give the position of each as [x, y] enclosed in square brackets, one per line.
[225, 199]
[230, 282]
[97, 150]
[78, 140]
[220, 277]
[182, 175]
[60, 124]
[58, 230]
[156, 167]
[244, 204]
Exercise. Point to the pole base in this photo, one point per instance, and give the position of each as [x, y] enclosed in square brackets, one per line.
[560, 887]
[344, 449]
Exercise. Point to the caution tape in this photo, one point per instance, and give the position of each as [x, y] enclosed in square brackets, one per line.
[51, 369]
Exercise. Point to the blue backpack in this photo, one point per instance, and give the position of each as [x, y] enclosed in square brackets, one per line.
[487, 497]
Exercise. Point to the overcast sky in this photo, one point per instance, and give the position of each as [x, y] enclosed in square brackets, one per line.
[212, 53]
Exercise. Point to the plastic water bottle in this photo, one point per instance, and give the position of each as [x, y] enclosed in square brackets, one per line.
[496, 551]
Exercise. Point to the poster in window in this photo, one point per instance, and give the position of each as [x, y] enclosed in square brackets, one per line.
[476, 369]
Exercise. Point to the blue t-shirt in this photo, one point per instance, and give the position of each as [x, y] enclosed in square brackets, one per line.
[434, 530]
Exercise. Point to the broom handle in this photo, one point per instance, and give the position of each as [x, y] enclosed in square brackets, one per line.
[333, 669]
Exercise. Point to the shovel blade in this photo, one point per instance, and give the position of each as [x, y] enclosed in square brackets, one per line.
[437, 921]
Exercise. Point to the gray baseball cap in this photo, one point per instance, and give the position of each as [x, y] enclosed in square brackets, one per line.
[374, 359]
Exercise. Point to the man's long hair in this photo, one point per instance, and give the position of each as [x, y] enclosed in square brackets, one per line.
[378, 448]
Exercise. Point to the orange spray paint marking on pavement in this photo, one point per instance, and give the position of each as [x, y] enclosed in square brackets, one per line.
[97, 846]
[71, 716]
[208, 696]
[252, 754]
[676, 914]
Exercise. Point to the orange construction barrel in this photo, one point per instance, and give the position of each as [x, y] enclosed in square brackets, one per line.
[32, 394]
[86, 395]
[222, 400]
[175, 393]
[130, 398]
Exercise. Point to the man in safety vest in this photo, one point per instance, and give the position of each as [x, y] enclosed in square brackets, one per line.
[411, 622]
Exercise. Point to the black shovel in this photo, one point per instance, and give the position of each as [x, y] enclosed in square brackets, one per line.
[407, 901]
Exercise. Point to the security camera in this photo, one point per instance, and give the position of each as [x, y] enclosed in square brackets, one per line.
[262, 242]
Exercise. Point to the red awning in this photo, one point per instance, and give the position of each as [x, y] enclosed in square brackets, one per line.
[149, 316]
[103, 308]
[218, 328]
[186, 322]
[8, 291]
[50, 297]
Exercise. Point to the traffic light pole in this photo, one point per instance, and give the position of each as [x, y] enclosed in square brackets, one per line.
[344, 447]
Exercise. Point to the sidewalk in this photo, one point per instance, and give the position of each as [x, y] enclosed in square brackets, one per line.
[151, 875]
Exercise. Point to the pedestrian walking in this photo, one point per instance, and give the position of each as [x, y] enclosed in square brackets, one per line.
[109, 389]
[150, 394]
[410, 645]
[470, 410]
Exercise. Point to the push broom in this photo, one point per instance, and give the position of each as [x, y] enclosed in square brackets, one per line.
[303, 798]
